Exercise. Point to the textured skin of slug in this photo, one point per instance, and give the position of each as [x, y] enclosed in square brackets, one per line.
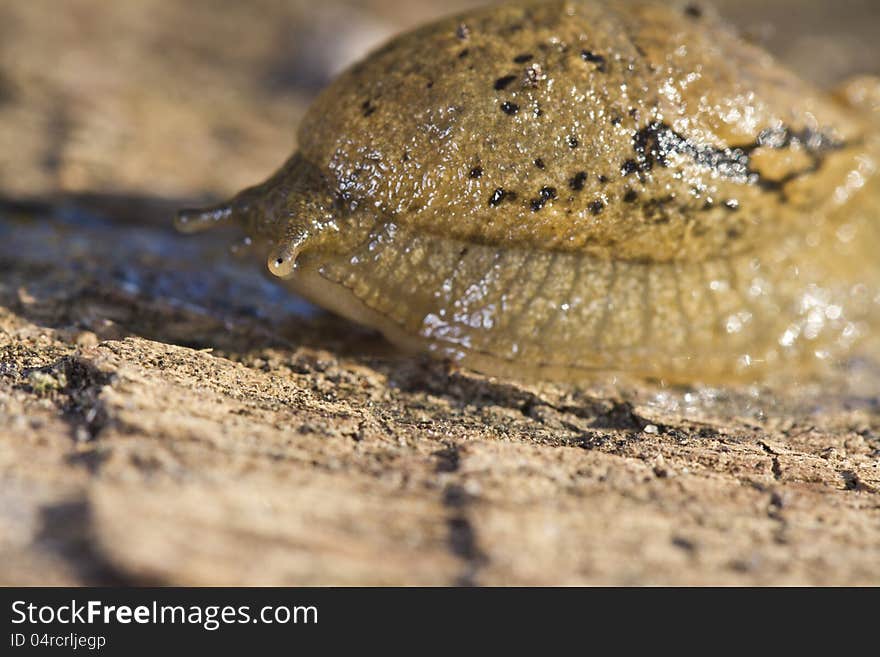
[561, 187]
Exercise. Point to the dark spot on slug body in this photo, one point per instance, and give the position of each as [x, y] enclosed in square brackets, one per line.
[694, 11]
[656, 210]
[593, 58]
[463, 32]
[577, 181]
[657, 142]
[596, 207]
[540, 164]
[602, 179]
[476, 172]
[499, 195]
[503, 83]
[367, 108]
[631, 196]
[523, 58]
[629, 167]
[573, 141]
[509, 108]
[464, 53]
[544, 194]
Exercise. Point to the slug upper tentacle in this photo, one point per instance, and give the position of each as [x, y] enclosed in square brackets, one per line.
[578, 185]
[292, 212]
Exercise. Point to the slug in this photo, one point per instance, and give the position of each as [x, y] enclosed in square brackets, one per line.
[576, 186]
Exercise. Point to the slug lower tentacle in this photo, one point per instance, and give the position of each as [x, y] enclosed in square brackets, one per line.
[292, 212]
[565, 187]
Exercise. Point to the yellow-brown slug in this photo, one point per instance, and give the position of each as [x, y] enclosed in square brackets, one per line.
[561, 187]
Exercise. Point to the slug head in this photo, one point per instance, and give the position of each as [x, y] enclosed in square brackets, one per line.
[293, 212]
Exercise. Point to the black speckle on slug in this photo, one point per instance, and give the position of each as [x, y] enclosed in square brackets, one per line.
[509, 108]
[498, 196]
[463, 32]
[545, 194]
[629, 167]
[577, 181]
[600, 61]
[630, 196]
[596, 207]
[657, 210]
[573, 142]
[476, 172]
[693, 11]
[540, 164]
[504, 82]
[523, 58]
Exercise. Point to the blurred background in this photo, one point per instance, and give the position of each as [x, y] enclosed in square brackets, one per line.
[165, 99]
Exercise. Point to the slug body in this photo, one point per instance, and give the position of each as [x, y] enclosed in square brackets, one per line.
[561, 187]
